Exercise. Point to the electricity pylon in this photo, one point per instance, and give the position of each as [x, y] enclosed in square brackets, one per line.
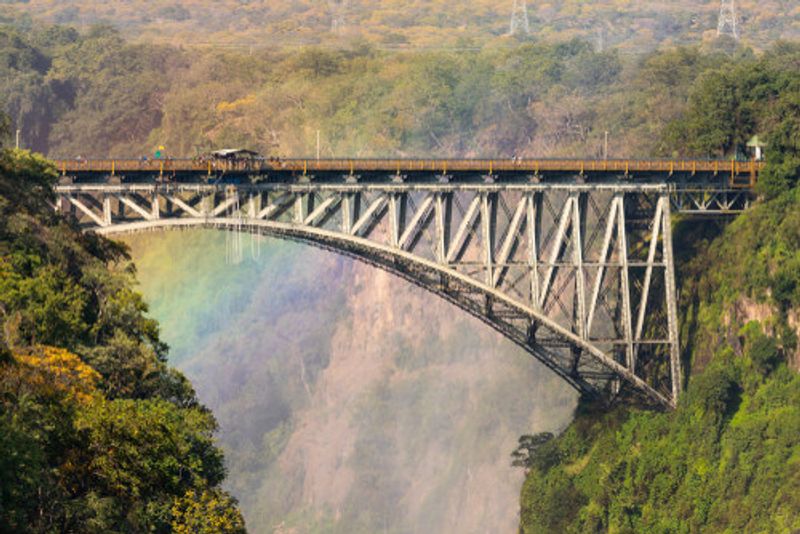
[728, 24]
[338, 8]
[519, 18]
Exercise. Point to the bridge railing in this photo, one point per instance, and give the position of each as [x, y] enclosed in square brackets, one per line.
[735, 169]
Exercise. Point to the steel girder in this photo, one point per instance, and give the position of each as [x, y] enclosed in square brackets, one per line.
[579, 275]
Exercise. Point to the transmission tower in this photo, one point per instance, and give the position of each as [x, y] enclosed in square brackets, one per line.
[728, 24]
[519, 18]
[338, 9]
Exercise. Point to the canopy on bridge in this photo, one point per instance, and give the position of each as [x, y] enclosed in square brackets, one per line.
[235, 153]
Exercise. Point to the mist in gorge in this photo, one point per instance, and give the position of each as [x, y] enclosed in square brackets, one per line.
[348, 399]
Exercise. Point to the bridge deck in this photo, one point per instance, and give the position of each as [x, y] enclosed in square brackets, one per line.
[735, 174]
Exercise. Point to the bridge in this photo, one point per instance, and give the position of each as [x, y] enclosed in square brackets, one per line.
[570, 259]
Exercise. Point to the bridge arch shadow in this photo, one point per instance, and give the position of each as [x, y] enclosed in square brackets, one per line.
[583, 365]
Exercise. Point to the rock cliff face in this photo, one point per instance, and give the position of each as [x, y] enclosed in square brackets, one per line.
[348, 400]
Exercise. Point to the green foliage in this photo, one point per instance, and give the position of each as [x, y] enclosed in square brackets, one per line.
[688, 471]
[726, 459]
[206, 513]
[94, 94]
[533, 452]
[141, 448]
[698, 469]
[744, 97]
[754, 262]
[105, 97]
[762, 350]
[783, 152]
[110, 439]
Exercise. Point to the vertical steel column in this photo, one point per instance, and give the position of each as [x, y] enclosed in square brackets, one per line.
[486, 226]
[622, 239]
[347, 213]
[441, 229]
[672, 302]
[533, 245]
[299, 208]
[155, 206]
[107, 209]
[394, 221]
[254, 205]
[577, 260]
[648, 275]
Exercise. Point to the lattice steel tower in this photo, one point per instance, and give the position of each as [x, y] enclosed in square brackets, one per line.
[519, 18]
[728, 24]
[338, 9]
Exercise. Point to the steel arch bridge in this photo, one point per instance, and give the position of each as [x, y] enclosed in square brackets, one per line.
[575, 268]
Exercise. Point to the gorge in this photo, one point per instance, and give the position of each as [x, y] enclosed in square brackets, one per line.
[348, 400]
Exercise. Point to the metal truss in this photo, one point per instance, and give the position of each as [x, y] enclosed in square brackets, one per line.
[579, 275]
[710, 200]
[519, 18]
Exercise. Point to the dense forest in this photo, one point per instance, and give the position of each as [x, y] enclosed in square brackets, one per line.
[97, 433]
[392, 24]
[94, 94]
[727, 460]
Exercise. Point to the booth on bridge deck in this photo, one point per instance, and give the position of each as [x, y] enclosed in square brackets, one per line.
[230, 154]
[755, 148]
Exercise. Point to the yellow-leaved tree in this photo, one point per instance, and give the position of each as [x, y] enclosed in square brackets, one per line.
[54, 371]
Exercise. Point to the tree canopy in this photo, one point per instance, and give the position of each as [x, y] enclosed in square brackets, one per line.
[97, 433]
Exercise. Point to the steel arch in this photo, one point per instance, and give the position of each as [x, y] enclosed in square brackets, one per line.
[571, 272]
[398, 263]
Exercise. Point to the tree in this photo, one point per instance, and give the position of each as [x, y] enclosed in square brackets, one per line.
[99, 435]
[783, 150]
[143, 448]
[533, 452]
[709, 127]
[206, 512]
